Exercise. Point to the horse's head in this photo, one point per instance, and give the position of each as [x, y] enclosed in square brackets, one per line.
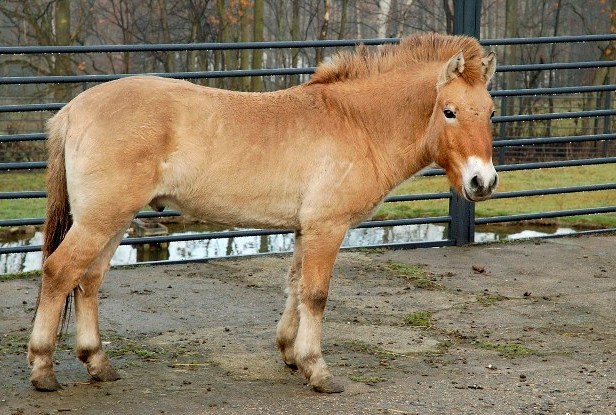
[462, 126]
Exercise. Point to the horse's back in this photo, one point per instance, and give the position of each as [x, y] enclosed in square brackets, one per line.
[239, 159]
[197, 149]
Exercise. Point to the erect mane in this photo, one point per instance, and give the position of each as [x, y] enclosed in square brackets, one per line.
[414, 49]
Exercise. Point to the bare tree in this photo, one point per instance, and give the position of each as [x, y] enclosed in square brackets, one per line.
[382, 17]
[257, 54]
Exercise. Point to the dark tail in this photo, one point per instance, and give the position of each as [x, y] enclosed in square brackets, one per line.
[57, 217]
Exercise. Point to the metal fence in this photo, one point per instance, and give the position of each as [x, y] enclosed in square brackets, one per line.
[461, 219]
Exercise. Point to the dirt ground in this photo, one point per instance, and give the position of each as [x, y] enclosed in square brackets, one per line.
[508, 328]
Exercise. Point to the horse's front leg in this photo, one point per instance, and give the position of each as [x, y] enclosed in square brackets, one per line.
[289, 322]
[319, 249]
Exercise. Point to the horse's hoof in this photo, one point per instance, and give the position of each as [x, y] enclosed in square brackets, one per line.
[328, 385]
[46, 383]
[291, 365]
[109, 374]
[100, 369]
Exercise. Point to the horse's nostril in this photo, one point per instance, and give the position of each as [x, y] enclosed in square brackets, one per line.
[494, 182]
[475, 183]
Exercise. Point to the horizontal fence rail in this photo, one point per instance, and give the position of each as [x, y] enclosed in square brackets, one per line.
[602, 116]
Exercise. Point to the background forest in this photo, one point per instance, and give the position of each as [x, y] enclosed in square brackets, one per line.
[87, 22]
[115, 22]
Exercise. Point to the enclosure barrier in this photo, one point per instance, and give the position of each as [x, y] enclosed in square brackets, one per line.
[461, 222]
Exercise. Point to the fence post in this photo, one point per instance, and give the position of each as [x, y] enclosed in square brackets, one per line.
[462, 212]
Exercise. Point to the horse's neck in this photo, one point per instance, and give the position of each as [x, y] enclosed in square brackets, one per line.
[393, 114]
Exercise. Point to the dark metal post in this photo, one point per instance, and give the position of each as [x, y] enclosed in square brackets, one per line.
[462, 212]
[466, 15]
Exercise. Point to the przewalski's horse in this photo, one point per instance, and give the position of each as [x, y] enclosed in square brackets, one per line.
[317, 158]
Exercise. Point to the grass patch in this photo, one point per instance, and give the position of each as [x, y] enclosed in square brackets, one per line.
[20, 275]
[509, 350]
[490, 299]
[22, 208]
[121, 347]
[421, 319]
[145, 354]
[368, 380]
[13, 345]
[518, 180]
[409, 270]
[22, 181]
[419, 277]
[509, 181]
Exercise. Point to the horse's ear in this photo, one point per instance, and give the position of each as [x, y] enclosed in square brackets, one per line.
[453, 68]
[488, 66]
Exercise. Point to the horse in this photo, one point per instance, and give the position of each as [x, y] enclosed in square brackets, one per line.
[317, 158]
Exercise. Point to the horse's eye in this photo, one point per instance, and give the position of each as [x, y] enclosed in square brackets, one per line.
[449, 113]
[492, 115]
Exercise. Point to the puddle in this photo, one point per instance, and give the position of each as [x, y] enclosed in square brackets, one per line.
[250, 245]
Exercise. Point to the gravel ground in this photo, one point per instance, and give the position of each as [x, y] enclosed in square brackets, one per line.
[508, 328]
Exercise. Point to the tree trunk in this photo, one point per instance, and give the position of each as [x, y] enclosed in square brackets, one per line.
[608, 75]
[245, 30]
[257, 54]
[512, 56]
[295, 36]
[344, 6]
[548, 129]
[448, 16]
[359, 20]
[221, 57]
[324, 28]
[62, 64]
[168, 61]
[383, 18]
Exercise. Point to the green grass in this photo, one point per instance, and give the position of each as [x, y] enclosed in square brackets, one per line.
[419, 319]
[518, 180]
[22, 208]
[416, 275]
[509, 181]
[121, 346]
[367, 379]
[509, 350]
[13, 344]
[490, 299]
[20, 275]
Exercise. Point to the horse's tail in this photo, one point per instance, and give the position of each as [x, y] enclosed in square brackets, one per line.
[57, 218]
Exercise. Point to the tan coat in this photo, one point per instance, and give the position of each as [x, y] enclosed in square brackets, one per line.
[317, 158]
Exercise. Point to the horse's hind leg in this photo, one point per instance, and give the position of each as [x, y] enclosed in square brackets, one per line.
[88, 346]
[319, 247]
[62, 272]
[289, 322]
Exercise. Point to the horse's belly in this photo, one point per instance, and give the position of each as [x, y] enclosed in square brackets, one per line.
[241, 211]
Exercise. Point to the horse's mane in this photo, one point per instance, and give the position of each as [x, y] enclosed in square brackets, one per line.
[414, 49]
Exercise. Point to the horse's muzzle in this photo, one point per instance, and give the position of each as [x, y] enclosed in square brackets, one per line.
[479, 179]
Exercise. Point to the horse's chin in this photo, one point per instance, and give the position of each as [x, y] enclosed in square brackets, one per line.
[471, 197]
